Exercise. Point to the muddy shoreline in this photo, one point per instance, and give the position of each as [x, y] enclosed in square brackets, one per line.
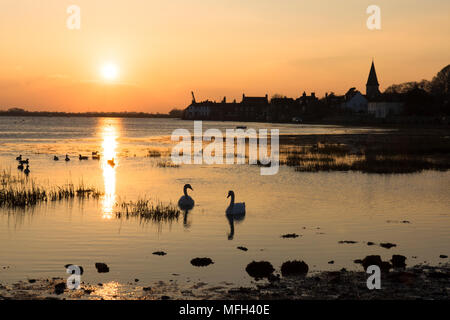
[418, 282]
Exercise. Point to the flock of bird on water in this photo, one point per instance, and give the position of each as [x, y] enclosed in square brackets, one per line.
[95, 156]
[185, 203]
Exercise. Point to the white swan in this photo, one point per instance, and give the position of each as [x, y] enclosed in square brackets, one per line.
[186, 202]
[235, 208]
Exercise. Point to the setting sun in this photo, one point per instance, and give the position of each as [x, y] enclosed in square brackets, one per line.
[110, 71]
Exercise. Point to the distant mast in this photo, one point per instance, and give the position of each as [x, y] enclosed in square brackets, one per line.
[193, 97]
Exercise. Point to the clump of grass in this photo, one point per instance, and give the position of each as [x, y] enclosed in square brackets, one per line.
[167, 164]
[17, 192]
[148, 210]
[154, 154]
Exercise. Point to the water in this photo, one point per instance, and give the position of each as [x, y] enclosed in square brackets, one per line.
[323, 208]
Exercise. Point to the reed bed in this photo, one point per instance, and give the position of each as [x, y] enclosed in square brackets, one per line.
[147, 210]
[368, 158]
[154, 154]
[167, 164]
[18, 192]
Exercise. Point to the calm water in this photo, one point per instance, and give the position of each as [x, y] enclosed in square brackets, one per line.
[323, 208]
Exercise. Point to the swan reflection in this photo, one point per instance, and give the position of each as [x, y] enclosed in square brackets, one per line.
[238, 218]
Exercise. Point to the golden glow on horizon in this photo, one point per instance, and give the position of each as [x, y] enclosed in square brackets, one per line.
[110, 135]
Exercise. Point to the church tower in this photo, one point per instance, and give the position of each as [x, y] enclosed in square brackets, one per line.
[372, 86]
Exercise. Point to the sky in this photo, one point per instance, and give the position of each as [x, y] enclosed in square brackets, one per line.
[163, 50]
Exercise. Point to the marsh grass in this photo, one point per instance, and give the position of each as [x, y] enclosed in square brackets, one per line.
[154, 154]
[19, 192]
[167, 164]
[390, 156]
[147, 210]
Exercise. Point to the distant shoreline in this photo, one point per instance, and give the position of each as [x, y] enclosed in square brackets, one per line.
[85, 114]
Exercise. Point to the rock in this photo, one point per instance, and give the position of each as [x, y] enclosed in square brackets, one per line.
[372, 260]
[260, 269]
[159, 253]
[347, 242]
[88, 291]
[290, 235]
[398, 261]
[31, 280]
[242, 248]
[147, 288]
[443, 256]
[81, 268]
[293, 268]
[331, 262]
[136, 280]
[370, 243]
[274, 278]
[201, 262]
[60, 287]
[165, 298]
[387, 245]
[101, 267]
[385, 266]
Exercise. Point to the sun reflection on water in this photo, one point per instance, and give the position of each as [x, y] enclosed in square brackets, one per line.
[109, 145]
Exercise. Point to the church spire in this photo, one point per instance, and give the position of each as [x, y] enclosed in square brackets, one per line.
[372, 86]
[372, 80]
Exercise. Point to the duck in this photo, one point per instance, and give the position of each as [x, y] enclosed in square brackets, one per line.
[186, 202]
[95, 156]
[56, 158]
[67, 158]
[82, 157]
[111, 162]
[27, 170]
[20, 167]
[25, 161]
[19, 158]
[235, 208]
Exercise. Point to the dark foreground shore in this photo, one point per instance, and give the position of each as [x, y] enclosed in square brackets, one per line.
[419, 282]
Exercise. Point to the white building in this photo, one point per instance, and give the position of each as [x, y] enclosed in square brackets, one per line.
[382, 109]
[356, 102]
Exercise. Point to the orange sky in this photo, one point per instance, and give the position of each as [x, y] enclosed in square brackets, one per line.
[223, 47]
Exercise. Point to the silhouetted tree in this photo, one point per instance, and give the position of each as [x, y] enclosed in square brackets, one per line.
[419, 102]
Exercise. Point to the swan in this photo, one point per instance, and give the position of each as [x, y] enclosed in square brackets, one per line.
[67, 158]
[235, 208]
[27, 170]
[55, 158]
[186, 202]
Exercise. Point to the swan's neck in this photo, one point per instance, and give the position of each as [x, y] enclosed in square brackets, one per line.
[185, 191]
[232, 200]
